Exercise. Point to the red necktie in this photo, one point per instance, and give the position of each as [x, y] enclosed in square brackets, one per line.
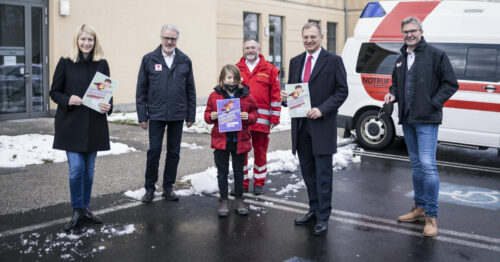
[307, 70]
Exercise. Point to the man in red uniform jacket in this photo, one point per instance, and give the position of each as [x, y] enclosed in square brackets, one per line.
[263, 79]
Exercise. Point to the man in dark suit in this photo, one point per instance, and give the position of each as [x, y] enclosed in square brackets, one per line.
[314, 138]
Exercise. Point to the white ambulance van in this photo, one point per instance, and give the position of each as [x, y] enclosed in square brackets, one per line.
[469, 32]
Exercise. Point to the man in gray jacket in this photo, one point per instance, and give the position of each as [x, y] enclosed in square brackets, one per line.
[165, 97]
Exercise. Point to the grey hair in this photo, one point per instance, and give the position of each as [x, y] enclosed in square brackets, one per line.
[251, 39]
[312, 24]
[169, 27]
[411, 20]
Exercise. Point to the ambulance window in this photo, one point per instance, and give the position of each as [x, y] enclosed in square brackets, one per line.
[457, 54]
[481, 64]
[377, 58]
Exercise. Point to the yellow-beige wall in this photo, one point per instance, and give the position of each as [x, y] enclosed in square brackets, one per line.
[295, 14]
[128, 29]
[211, 32]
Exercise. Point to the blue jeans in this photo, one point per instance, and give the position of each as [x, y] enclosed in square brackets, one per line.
[421, 141]
[81, 177]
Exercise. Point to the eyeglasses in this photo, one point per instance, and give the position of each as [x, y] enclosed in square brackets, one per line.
[414, 31]
[173, 39]
[312, 37]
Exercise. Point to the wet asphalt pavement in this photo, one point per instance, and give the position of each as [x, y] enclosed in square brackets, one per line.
[367, 197]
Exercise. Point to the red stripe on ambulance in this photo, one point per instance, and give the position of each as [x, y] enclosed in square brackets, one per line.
[492, 107]
[376, 86]
[389, 30]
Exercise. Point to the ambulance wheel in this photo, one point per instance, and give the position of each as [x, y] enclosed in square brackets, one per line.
[372, 132]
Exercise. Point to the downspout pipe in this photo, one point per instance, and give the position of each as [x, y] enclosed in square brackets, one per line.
[346, 21]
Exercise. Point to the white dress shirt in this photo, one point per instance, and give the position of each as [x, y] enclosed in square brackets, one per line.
[313, 62]
[250, 66]
[410, 58]
[168, 59]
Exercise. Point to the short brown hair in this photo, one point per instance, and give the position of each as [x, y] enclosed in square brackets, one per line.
[312, 24]
[236, 73]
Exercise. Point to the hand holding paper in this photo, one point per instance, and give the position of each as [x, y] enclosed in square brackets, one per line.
[244, 116]
[105, 107]
[75, 101]
[213, 116]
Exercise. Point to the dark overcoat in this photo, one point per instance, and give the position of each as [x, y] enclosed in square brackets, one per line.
[78, 128]
[328, 91]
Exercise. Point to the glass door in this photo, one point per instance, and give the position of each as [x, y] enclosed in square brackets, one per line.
[276, 43]
[23, 62]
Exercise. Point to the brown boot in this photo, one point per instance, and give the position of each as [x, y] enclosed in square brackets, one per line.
[431, 227]
[223, 210]
[240, 207]
[415, 214]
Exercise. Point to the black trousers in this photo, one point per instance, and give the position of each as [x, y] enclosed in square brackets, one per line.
[317, 171]
[221, 158]
[174, 136]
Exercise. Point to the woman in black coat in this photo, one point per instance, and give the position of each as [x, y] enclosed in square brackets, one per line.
[80, 130]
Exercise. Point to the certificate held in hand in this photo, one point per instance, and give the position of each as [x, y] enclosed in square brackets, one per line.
[299, 101]
[228, 115]
[101, 89]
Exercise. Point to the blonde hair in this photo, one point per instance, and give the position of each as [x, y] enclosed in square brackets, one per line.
[97, 53]
[236, 74]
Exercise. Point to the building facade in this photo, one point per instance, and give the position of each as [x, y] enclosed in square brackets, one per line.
[34, 34]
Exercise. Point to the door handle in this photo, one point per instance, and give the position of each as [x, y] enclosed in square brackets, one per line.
[27, 75]
[489, 88]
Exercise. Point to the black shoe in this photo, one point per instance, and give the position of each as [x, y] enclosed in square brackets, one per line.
[240, 207]
[169, 194]
[148, 197]
[245, 190]
[90, 217]
[258, 190]
[321, 227]
[76, 221]
[223, 209]
[310, 216]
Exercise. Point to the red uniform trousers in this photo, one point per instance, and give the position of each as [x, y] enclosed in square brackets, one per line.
[260, 142]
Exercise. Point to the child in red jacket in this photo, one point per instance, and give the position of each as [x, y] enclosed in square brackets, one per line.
[235, 143]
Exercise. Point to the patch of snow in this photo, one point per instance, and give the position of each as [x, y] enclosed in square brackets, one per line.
[139, 193]
[204, 182]
[128, 229]
[66, 256]
[292, 188]
[30, 149]
[278, 161]
[191, 146]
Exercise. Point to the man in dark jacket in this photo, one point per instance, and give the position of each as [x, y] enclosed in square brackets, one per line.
[165, 96]
[422, 81]
[314, 138]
